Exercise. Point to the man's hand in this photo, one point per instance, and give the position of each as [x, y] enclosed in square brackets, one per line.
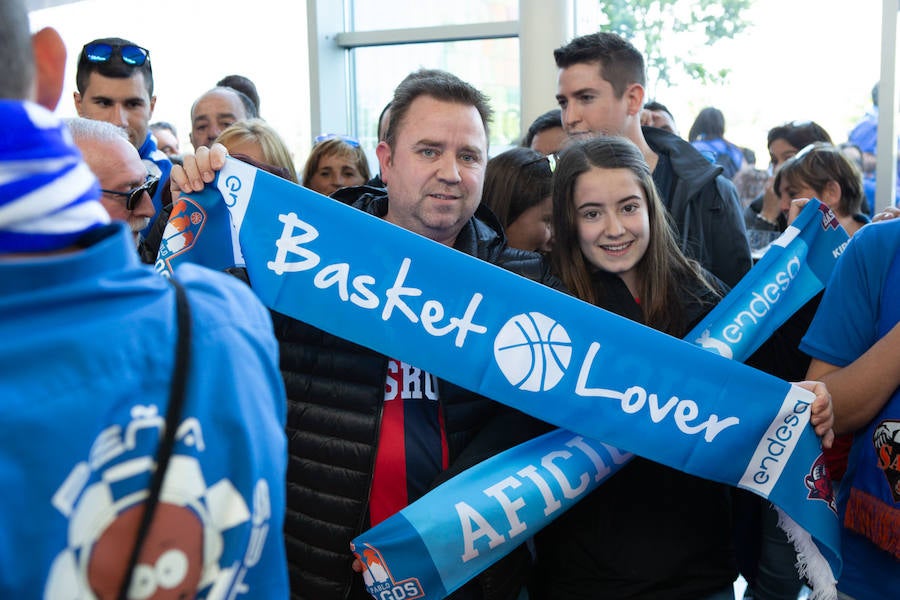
[198, 170]
[822, 413]
[358, 566]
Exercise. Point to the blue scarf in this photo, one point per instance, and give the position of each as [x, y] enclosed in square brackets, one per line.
[48, 196]
[520, 343]
[425, 538]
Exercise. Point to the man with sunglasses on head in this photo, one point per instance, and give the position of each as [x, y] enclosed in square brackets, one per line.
[126, 187]
[115, 84]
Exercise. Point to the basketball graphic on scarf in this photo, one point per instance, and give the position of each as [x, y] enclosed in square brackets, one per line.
[533, 352]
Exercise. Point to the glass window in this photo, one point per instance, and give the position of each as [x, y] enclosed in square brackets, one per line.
[371, 15]
[492, 66]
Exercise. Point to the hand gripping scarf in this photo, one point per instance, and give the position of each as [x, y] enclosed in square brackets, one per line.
[48, 196]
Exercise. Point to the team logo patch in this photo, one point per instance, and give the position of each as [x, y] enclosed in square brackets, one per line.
[533, 352]
[829, 219]
[819, 483]
[185, 224]
[886, 439]
[379, 581]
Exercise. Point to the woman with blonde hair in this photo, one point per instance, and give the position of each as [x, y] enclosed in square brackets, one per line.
[258, 140]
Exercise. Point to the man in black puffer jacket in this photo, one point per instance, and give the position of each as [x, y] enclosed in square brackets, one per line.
[336, 407]
[369, 434]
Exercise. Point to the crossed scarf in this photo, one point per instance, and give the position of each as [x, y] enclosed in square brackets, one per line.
[48, 195]
[315, 261]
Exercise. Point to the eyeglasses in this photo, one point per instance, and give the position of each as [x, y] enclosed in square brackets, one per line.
[102, 52]
[552, 160]
[353, 142]
[133, 197]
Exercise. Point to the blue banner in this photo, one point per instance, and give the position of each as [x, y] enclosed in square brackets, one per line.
[794, 269]
[435, 545]
[545, 353]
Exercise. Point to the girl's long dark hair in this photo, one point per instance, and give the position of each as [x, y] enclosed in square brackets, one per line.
[663, 271]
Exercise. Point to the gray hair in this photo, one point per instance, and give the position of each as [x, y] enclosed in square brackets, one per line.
[84, 130]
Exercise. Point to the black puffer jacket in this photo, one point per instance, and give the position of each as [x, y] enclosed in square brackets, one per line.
[706, 211]
[651, 531]
[335, 395]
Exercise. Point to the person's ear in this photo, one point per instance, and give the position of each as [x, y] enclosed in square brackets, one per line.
[50, 67]
[634, 95]
[831, 193]
[383, 152]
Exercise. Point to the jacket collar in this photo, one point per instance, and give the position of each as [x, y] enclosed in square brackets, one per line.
[689, 165]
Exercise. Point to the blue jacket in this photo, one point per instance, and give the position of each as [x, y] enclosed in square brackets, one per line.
[87, 344]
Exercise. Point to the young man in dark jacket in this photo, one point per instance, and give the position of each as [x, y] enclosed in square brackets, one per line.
[601, 91]
[369, 434]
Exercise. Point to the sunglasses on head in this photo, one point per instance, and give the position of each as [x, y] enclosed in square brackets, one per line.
[103, 52]
[353, 142]
[813, 148]
[552, 160]
[133, 196]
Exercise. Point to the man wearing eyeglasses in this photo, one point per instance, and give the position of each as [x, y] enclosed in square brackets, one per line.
[115, 84]
[126, 187]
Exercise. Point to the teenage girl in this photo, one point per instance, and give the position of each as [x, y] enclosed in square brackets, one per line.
[650, 531]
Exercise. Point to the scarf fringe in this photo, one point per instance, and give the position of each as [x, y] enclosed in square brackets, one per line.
[811, 565]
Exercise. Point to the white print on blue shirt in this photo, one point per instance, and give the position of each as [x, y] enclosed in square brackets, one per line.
[102, 499]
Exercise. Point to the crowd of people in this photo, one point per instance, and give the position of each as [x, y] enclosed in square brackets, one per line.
[176, 436]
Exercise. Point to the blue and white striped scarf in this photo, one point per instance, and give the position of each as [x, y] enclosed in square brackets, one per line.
[48, 195]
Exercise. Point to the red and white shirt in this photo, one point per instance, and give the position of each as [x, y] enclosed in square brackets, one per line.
[412, 442]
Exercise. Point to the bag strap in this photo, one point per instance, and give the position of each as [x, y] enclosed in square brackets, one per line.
[173, 417]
